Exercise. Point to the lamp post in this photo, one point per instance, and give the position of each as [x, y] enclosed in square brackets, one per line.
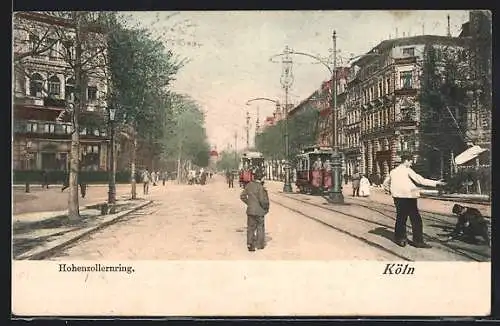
[112, 169]
[28, 157]
[335, 194]
[286, 82]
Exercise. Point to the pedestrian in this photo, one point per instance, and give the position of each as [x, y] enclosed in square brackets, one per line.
[256, 198]
[230, 178]
[164, 176]
[356, 177]
[470, 224]
[400, 183]
[378, 180]
[346, 178]
[364, 186]
[146, 178]
[83, 186]
[45, 178]
[153, 177]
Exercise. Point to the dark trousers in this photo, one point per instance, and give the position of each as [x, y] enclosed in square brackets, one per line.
[408, 207]
[163, 181]
[355, 191]
[231, 183]
[83, 188]
[145, 188]
[255, 231]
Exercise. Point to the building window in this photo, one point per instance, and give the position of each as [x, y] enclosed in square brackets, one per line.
[49, 128]
[409, 52]
[406, 79]
[34, 41]
[92, 93]
[83, 131]
[53, 54]
[31, 127]
[70, 87]
[96, 132]
[472, 120]
[54, 86]
[406, 114]
[36, 85]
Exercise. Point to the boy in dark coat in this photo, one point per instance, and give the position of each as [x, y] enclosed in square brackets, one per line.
[470, 224]
[256, 198]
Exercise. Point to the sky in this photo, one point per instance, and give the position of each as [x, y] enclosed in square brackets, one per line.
[229, 54]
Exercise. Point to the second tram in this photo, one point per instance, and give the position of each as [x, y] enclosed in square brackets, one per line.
[314, 171]
[250, 162]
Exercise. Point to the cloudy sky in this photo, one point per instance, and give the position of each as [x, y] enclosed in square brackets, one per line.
[229, 54]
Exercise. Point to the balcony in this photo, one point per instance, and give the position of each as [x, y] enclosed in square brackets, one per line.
[32, 101]
[409, 91]
[54, 102]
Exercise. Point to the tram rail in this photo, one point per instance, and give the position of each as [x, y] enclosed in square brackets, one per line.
[472, 255]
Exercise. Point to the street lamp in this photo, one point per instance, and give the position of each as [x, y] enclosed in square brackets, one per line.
[286, 82]
[112, 169]
[28, 157]
[335, 194]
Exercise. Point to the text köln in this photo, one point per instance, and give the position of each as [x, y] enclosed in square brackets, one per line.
[399, 269]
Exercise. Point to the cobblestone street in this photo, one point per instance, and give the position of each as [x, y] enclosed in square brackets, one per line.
[209, 222]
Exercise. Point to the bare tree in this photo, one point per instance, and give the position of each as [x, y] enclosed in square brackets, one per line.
[79, 40]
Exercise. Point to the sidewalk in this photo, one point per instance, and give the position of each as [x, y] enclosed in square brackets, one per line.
[52, 199]
[36, 235]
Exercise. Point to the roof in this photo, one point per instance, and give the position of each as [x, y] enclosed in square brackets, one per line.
[412, 40]
[54, 20]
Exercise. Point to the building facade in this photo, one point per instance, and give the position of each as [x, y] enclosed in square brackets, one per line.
[42, 83]
[387, 86]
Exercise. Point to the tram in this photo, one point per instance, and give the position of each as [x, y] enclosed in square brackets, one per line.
[250, 162]
[314, 172]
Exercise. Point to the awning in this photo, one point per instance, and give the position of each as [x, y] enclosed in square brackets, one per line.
[469, 154]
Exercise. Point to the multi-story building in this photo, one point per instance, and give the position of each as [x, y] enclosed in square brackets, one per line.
[42, 83]
[351, 134]
[478, 32]
[385, 91]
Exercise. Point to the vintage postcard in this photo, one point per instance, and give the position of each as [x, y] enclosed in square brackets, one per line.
[252, 163]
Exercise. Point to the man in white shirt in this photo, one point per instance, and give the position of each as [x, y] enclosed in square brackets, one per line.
[401, 184]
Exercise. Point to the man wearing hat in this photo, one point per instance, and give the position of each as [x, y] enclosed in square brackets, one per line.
[256, 198]
[400, 183]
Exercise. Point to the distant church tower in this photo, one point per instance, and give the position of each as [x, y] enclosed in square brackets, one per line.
[214, 157]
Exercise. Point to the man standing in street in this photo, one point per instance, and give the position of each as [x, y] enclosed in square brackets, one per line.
[401, 184]
[146, 177]
[256, 198]
[355, 179]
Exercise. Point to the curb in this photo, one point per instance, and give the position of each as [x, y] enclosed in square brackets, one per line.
[48, 252]
[459, 200]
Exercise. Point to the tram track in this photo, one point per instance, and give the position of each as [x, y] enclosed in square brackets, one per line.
[470, 255]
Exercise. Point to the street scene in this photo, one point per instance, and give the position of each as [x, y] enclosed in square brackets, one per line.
[252, 135]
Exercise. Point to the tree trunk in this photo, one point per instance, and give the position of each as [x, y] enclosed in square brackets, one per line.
[132, 168]
[73, 203]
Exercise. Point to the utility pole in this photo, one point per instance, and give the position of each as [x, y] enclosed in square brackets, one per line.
[248, 129]
[286, 82]
[236, 149]
[335, 195]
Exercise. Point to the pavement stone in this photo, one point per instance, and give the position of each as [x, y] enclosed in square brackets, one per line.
[209, 222]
